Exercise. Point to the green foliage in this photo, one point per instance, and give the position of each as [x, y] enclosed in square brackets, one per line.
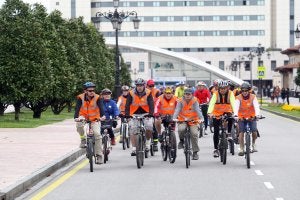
[45, 59]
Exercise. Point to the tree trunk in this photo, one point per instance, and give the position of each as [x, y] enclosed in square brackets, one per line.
[37, 114]
[69, 106]
[17, 110]
[2, 109]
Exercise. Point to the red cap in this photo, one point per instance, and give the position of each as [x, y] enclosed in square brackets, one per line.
[150, 82]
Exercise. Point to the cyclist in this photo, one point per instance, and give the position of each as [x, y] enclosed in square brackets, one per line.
[111, 112]
[122, 102]
[90, 107]
[203, 96]
[179, 91]
[221, 102]
[246, 106]
[140, 101]
[165, 105]
[155, 94]
[187, 108]
[214, 88]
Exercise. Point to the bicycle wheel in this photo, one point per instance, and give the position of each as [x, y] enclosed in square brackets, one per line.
[127, 136]
[187, 151]
[90, 153]
[247, 154]
[152, 149]
[211, 126]
[173, 147]
[104, 141]
[123, 126]
[231, 147]
[201, 130]
[139, 151]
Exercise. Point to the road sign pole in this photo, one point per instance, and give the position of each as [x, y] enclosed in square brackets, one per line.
[261, 92]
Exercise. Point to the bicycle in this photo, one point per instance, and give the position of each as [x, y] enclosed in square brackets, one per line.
[90, 143]
[247, 138]
[140, 139]
[106, 141]
[125, 134]
[201, 127]
[211, 124]
[168, 144]
[224, 142]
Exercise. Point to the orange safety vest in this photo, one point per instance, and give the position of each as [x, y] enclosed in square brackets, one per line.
[139, 102]
[89, 109]
[222, 106]
[154, 91]
[188, 112]
[122, 105]
[167, 107]
[246, 109]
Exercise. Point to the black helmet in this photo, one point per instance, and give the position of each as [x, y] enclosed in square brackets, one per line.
[245, 86]
[106, 91]
[188, 91]
[139, 81]
[89, 85]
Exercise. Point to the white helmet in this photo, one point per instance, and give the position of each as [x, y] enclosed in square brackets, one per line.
[223, 84]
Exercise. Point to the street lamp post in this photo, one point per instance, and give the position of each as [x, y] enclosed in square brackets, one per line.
[116, 18]
[251, 56]
[236, 64]
[297, 31]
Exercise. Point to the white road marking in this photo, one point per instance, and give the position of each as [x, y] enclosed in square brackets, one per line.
[279, 198]
[259, 173]
[269, 185]
[252, 163]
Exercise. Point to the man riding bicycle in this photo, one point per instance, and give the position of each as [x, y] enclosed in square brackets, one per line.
[187, 108]
[221, 102]
[246, 107]
[139, 101]
[165, 105]
[203, 96]
[122, 102]
[90, 107]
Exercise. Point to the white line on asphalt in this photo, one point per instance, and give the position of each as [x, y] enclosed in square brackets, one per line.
[259, 173]
[279, 198]
[269, 185]
[252, 163]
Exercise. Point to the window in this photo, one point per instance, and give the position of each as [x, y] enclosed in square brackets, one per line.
[186, 49]
[286, 62]
[141, 66]
[128, 65]
[221, 65]
[170, 19]
[273, 65]
[156, 4]
[247, 65]
[230, 49]
[126, 4]
[57, 3]
[216, 18]
[140, 4]
[200, 49]
[200, 3]
[156, 19]
[170, 3]
[216, 49]
[208, 62]
[186, 18]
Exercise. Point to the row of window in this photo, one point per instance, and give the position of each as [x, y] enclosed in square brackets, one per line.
[186, 33]
[247, 66]
[180, 3]
[194, 18]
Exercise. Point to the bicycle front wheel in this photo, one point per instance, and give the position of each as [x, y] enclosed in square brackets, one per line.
[105, 148]
[173, 149]
[139, 151]
[187, 151]
[123, 135]
[247, 154]
[90, 153]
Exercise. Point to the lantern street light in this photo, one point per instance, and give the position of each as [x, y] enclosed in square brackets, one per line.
[116, 18]
[297, 31]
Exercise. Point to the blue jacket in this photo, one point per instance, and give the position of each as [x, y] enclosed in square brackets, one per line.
[110, 109]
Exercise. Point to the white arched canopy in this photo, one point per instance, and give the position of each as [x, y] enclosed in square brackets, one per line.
[178, 56]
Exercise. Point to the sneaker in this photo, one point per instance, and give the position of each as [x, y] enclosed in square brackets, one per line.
[180, 145]
[155, 148]
[82, 143]
[113, 141]
[195, 156]
[99, 160]
[133, 153]
[216, 153]
[241, 153]
[254, 148]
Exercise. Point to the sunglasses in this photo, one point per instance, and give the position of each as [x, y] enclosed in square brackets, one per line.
[245, 90]
[139, 85]
[188, 93]
[150, 85]
[168, 92]
[91, 90]
[106, 94]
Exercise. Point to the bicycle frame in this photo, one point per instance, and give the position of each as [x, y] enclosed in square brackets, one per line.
[106, 140]
[125, 134]
[90, 144]
[168, 147]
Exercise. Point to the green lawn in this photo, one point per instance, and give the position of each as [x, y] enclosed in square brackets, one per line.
[294, 113]
[27, 121]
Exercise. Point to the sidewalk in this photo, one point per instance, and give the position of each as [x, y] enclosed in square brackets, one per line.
[27, 155]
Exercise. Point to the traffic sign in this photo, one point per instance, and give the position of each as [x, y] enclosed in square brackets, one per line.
[261, 72]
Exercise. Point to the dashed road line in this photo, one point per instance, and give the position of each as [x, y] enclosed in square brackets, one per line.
[269, 185]
[252, 163]
[259, 173]
[279, 198]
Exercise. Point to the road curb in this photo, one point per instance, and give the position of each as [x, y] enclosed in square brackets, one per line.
[282, 114]
[20, 187]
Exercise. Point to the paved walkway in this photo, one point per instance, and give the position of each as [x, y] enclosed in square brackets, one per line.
[24, 151]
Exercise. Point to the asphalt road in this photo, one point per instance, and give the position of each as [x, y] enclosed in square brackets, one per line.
[274, 174]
